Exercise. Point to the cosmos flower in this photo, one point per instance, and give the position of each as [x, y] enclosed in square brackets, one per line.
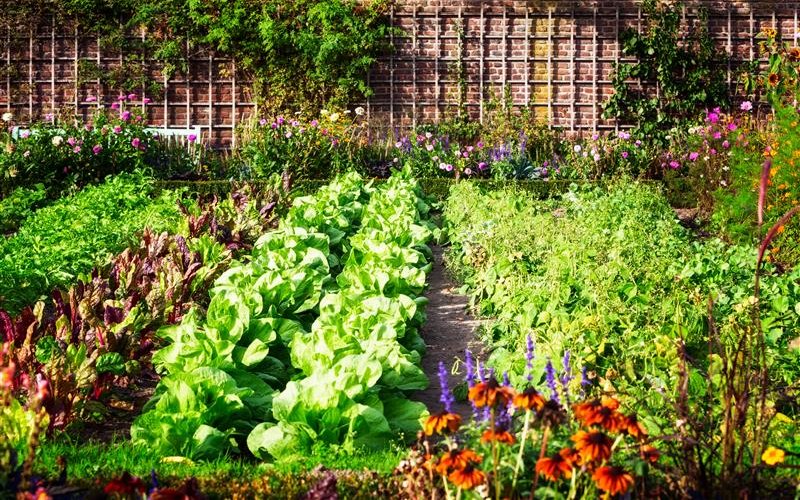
[773, 456]
[97, 149]
[746, 106]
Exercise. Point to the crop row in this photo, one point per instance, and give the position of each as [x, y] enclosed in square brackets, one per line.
[312, 338]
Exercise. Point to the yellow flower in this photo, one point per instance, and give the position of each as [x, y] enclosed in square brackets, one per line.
[772, 456]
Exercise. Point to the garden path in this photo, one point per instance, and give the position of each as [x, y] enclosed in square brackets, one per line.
[449, 330]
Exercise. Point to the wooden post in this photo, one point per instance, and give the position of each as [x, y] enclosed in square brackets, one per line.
[572, 67]
[233, 104]
[75, 61]
[210, 95]
[482, 70]
[550, 68]
[438, 59]
[414, 49]
[595, 76]
[30, 75]
[527, 57]
[391, 69]
[53, 65]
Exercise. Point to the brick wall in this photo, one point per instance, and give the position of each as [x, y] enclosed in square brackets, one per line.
[554, 56]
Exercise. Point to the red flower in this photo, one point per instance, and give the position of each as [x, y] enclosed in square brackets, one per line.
[125, 485]
[594, 446]
[554, 467]
[613, 480]
[435, 424]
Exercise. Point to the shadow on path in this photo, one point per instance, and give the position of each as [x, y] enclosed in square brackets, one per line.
[448, 331]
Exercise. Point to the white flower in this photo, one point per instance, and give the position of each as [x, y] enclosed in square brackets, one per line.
[57, 140]
[360, 111]
[7, 117]
[577, 148]
[334, 117]
[324, 112]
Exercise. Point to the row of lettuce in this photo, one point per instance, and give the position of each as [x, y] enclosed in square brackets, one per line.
[312, 338]
[80, 343]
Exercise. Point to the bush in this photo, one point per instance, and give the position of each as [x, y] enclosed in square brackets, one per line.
[19, 205]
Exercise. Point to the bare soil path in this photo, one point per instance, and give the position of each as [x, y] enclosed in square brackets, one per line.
[448, 332]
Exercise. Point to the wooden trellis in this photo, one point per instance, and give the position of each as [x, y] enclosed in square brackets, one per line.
[556, 61]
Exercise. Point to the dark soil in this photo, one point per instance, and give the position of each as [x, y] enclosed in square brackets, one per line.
[449, 331]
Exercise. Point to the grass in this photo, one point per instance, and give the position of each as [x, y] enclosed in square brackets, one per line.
[91, 461]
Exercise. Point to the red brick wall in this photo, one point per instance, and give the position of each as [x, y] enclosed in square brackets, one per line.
[554, 56]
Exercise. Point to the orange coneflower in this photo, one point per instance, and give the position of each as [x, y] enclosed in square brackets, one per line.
[602, 413]
[613, 480]
[631, 426]
[552, 413]
[592, 446]
[794, 54]
[774, 79]
[457, 459]
[467, 478]
[435, 424]
[490, 393]
[499, 435]
[571, 455]
[554, 467]
[529, 399]
[649, 453]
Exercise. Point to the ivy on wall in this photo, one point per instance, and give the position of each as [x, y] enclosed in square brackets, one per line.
[299, 53]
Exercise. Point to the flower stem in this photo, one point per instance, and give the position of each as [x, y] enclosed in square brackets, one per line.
[524, 440]
[545, 435]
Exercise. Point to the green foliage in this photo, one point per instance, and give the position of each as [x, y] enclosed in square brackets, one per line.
[301, 53]
[684, 68]
[778, 81]
[609, 276]
[68, 238]
[19, 205]
[362, 346]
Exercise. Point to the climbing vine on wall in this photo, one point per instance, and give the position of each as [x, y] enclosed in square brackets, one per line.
[299, 53]
[684, 67]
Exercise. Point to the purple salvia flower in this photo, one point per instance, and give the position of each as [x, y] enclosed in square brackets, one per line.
[470, 376]
[529, 358]
[566, 376]
[446, 398]
[550, 374]
[506, 380]
[585, 382]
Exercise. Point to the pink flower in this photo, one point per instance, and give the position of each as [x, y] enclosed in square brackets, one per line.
[479, 145]
[726, 144]
[121, 97]
[429, 147]
[262, 122]
[717, 135]
[125, 116]
[136, 142]
[87, 127]
[624, 135]
[49, 117]
[76, 149]
[91, 98]
[97, 149]
[746, 106]
[713, 151]
[117, 129]
[25, 134]
[131, 97]
[314, 123]
[191, 138]
[693, 156]
[281, 120]
[449, 168]
[595, 137]
[675, 165]
[482, 165]
[732, 127]
[146, 100]
[114, 105]
[713, 117]
[625, 154]
[468, 171]
[443, 166]
[72, 141]
[289, 134]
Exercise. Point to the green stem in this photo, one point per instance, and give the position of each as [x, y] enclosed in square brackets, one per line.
[495, 459]
[524, 440]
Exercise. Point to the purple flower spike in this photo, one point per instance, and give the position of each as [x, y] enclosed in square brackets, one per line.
[566, 376]
[550, 374]
[506, 380]
[529, 358]
[470, 377]
[585, 382]
[446, 398]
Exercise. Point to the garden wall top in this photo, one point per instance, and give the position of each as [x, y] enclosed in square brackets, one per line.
[554, 56]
